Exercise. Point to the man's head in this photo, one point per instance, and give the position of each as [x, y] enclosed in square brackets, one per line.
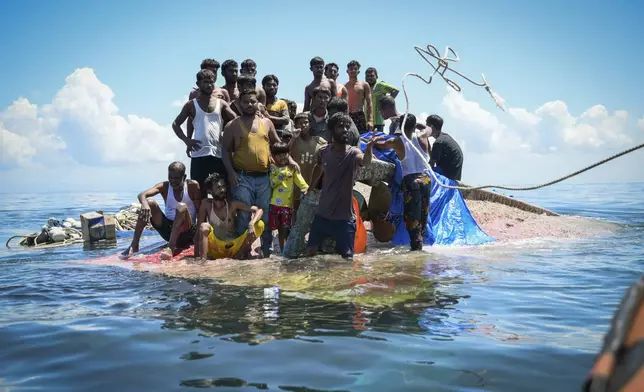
[285, 135]
[216, 185]
[371, 76]
[410, 124]
[321, 96]
[210, 64]
[435, 122]
[301, 122]
[317, 66]
[229, 70]
[248, 102]
[280, 152]
[339, 125]
[388, 107]
[331, 71]
[337, 105]
[270, 84]
[246, 82]
[176, 174]
[206, 81]
[249, 67]
[292, 109]
[353, 68]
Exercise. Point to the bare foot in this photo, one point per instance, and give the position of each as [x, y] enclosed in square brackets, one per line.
[166, 254]
[127, 253]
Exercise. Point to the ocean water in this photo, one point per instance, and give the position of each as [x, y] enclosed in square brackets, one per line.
[523, 316]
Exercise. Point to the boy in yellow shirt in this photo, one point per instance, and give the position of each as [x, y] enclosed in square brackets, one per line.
[283, 180]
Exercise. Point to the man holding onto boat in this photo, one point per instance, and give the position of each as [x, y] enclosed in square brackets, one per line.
[217, 238]
[446, 155]
[175, 224]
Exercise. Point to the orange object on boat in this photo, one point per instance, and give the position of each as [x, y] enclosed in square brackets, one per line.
[360, 244]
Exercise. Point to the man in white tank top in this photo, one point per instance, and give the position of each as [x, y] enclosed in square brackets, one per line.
[416, 182]
[208, 114]
[176, 222]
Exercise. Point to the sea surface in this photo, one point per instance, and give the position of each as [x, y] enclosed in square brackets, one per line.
[523, 316]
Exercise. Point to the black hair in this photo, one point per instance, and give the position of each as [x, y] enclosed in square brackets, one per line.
[280, 148]
[387, 102]
[268, 78]
[246, 80]
[337, 119]
[211, 64]
[410, 124]
[326, 67]
[247, 91]
[205, 74]
[301, 116]
[177, 166]
[371, 69]
[316, 60]
[212, 179]
[338, 104]
[228, 64]
[320, 89]
[435, 121]
[352, 63]
[248, 63]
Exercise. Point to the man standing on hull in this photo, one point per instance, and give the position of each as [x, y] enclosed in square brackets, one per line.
[446, 155]
[230, 72]
[249, 67]
[331, 71]
[319, 80]
[209, 114]
[277, 109]
[359, 98]
[379, 89]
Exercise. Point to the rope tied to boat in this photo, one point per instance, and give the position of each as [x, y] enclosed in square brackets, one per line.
[441, 68]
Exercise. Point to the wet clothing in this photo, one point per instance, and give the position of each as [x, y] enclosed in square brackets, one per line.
[416, 197]
[280, 217]
[448, 156]
[253, 190]
[340, 169]
[360, 121]
[185, 240]
[283, 181]
[342, 231]
[379, 90]
[253, 152]
[220, 249]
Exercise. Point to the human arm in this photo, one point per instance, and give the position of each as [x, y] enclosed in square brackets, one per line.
[368, 100]
[334, 87]
[273, 137]
[227, 113]
[194, 192]
[300, 182]
[364, 159]
[261, 95]
[389, 89]
[202, 215]
[345, 93]
[143, 199]
[394, 143]
[228, 146]
[283, 118]
[256, 214]
[307, 102]
[186, 112]
[225, 94]
[318, 170]
[437, 151]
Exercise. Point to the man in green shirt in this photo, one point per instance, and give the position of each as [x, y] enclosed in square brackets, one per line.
[378, 90]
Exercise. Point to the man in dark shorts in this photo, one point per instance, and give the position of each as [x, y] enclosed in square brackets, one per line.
[176, 223]
[446, 155]
[338, 162]
[208, 115]
[360, 105]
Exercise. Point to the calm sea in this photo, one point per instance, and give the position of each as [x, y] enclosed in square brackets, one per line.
[525, 316]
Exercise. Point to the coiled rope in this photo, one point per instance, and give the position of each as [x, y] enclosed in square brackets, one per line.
[441, 68]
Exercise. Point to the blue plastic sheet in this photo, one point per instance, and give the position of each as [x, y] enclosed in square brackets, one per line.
[450, 221]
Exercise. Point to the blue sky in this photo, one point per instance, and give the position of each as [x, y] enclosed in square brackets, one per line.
[147, 52]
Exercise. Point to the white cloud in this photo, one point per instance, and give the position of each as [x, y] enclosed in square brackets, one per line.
[178, 103]
[640, 123]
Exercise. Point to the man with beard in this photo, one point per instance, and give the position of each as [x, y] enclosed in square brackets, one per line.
[208, 116]
[319, 80]
[249, 138]
[277, 109]
[249, 67]
[338, 163]
[379, 89]
[230, 72]
[216, 237]
[175, 224]
[219, 92]
[359, 99]
[331, 71]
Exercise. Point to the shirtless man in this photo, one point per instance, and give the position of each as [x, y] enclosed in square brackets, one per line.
[249, 67]
[317, 67]
[208, 115]
[230, 72]
[245, 82]
[359, 98]
[331, 71]
[175, 224]
[217, 238]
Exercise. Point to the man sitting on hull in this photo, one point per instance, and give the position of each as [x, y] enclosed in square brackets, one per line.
[175, 224]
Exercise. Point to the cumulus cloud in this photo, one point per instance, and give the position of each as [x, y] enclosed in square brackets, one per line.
[82, 124]
[640, 123]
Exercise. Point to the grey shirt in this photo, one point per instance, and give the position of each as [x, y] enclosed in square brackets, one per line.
[340, 169]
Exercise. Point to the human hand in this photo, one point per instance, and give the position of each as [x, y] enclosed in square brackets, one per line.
[370, 126]
[251, 229]
[296, 133]
[374, 139]
[192, 144]
[145, 212]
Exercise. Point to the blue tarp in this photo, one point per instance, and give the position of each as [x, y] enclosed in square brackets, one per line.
[450, 221]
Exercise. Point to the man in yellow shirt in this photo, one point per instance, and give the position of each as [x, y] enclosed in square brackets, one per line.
[283, 180]
[277, 108]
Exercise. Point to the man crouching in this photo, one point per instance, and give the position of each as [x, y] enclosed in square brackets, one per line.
[175, 224]
[216, 224]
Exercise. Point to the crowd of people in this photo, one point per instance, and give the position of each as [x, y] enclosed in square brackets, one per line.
[253, 158]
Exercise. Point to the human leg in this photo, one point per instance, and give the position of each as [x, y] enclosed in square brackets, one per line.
[262, 193]
[317, 234]
[156, 218]
[182, 224]
[237, 248]
[413, 210]
[425, 195]
[243, 193]
[201, 248]
[345, 236]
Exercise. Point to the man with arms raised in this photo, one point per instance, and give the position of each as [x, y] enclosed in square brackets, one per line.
[319, 80]
[359, 99]
[379, 89]
[277, 109]
[446, 155]
[217, 238]
[175, 224]
[338, 162]
[249, 67]
[331, 71]
[209, 114]
[249, 138]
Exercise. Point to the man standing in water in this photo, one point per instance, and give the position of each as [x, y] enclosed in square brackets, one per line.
[359, 98]
[416, 183]
[249, 138]
[230, 72]
[277, 109]
[209, 114]
[182, 199]
[319, 80]
[338, 162]
[331, 71]
[379, 89]
[249, 67]
[446, 155]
